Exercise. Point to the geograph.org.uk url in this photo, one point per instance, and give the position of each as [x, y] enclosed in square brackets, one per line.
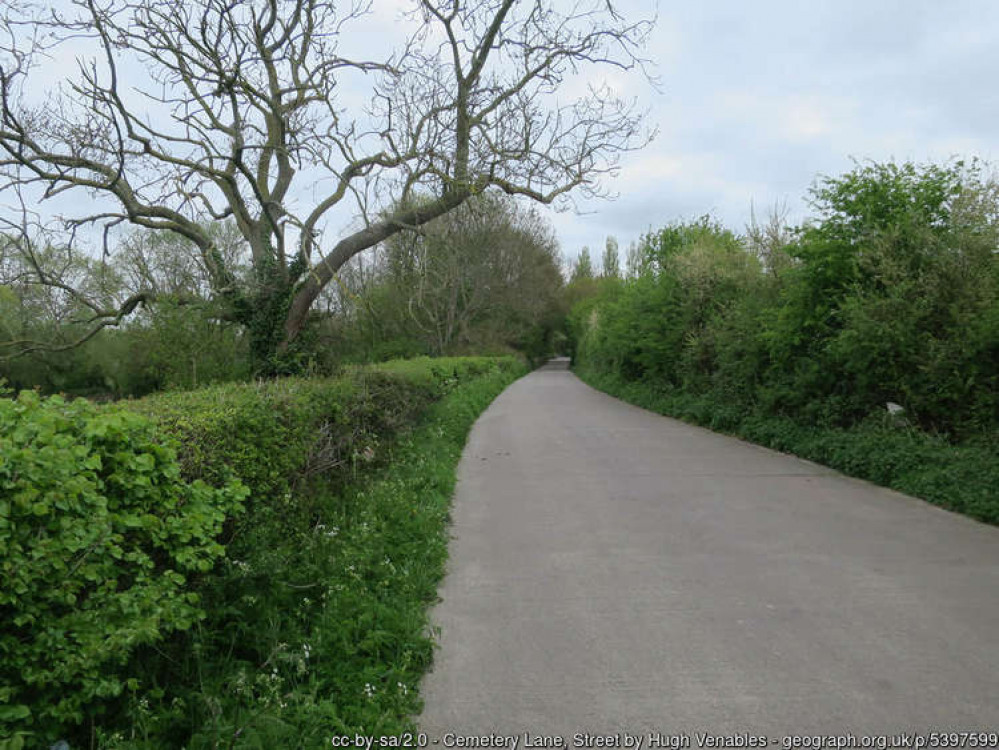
[915, 740]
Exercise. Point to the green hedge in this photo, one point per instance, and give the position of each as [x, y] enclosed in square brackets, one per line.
[290, 453]
[889, 294]
[274, 433]
[98, 535]
[333, 638]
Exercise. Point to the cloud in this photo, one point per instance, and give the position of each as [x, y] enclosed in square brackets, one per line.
[758, 99]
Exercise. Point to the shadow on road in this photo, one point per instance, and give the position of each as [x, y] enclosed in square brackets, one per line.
[556, 363]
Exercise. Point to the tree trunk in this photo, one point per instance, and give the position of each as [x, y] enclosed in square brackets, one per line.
[264, 315]
[318, 277]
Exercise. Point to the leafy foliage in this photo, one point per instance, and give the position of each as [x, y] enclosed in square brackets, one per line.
[173, 340]
[99, 536]
[313, 621]
[583, 267]
[611, 260]
[317, 620]
[891, 294]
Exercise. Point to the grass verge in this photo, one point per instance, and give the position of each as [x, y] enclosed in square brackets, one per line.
[241, 566]
[960, 477]
[325, 633]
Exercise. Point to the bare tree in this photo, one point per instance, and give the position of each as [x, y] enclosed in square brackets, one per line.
[240, 109]
[488, 261]
[71, 297]
[768, 241]
[171, 266]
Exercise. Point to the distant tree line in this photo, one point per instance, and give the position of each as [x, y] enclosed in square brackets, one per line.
[486, 277]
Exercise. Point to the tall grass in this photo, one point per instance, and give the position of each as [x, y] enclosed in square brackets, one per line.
[326, 634]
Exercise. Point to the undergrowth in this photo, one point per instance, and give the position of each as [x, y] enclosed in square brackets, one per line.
[313, 623]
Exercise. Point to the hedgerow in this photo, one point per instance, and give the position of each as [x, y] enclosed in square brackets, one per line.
[326, 572]
[99, 536]
[868, 338]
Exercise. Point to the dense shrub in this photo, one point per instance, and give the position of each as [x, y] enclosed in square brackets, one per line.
[329, 570]
[120, 496]
[169, 346]
[274, 434]
[891, 299]
[890, 294]
[98, 537]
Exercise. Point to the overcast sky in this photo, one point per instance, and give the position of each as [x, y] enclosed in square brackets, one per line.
[758, 98]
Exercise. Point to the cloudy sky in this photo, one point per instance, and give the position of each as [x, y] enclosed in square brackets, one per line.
[758, 98]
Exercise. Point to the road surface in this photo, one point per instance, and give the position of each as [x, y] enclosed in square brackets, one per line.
[614, 571]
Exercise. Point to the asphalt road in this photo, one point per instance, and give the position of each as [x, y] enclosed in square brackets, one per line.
[614, 571]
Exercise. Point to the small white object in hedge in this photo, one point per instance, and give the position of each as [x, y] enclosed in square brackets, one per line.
[896, 414]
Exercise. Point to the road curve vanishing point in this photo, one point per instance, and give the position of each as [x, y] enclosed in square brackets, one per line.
[615, 571]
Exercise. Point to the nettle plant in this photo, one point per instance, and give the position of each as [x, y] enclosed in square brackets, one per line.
[98, 536]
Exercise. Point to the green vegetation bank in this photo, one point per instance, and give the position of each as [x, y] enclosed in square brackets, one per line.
[241, 566]
[867, 340]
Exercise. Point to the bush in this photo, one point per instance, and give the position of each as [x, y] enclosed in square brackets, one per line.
[98, 536]
[275, 434]
[337, 548]
[332, 635]
[328, 569]
[891, 294]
